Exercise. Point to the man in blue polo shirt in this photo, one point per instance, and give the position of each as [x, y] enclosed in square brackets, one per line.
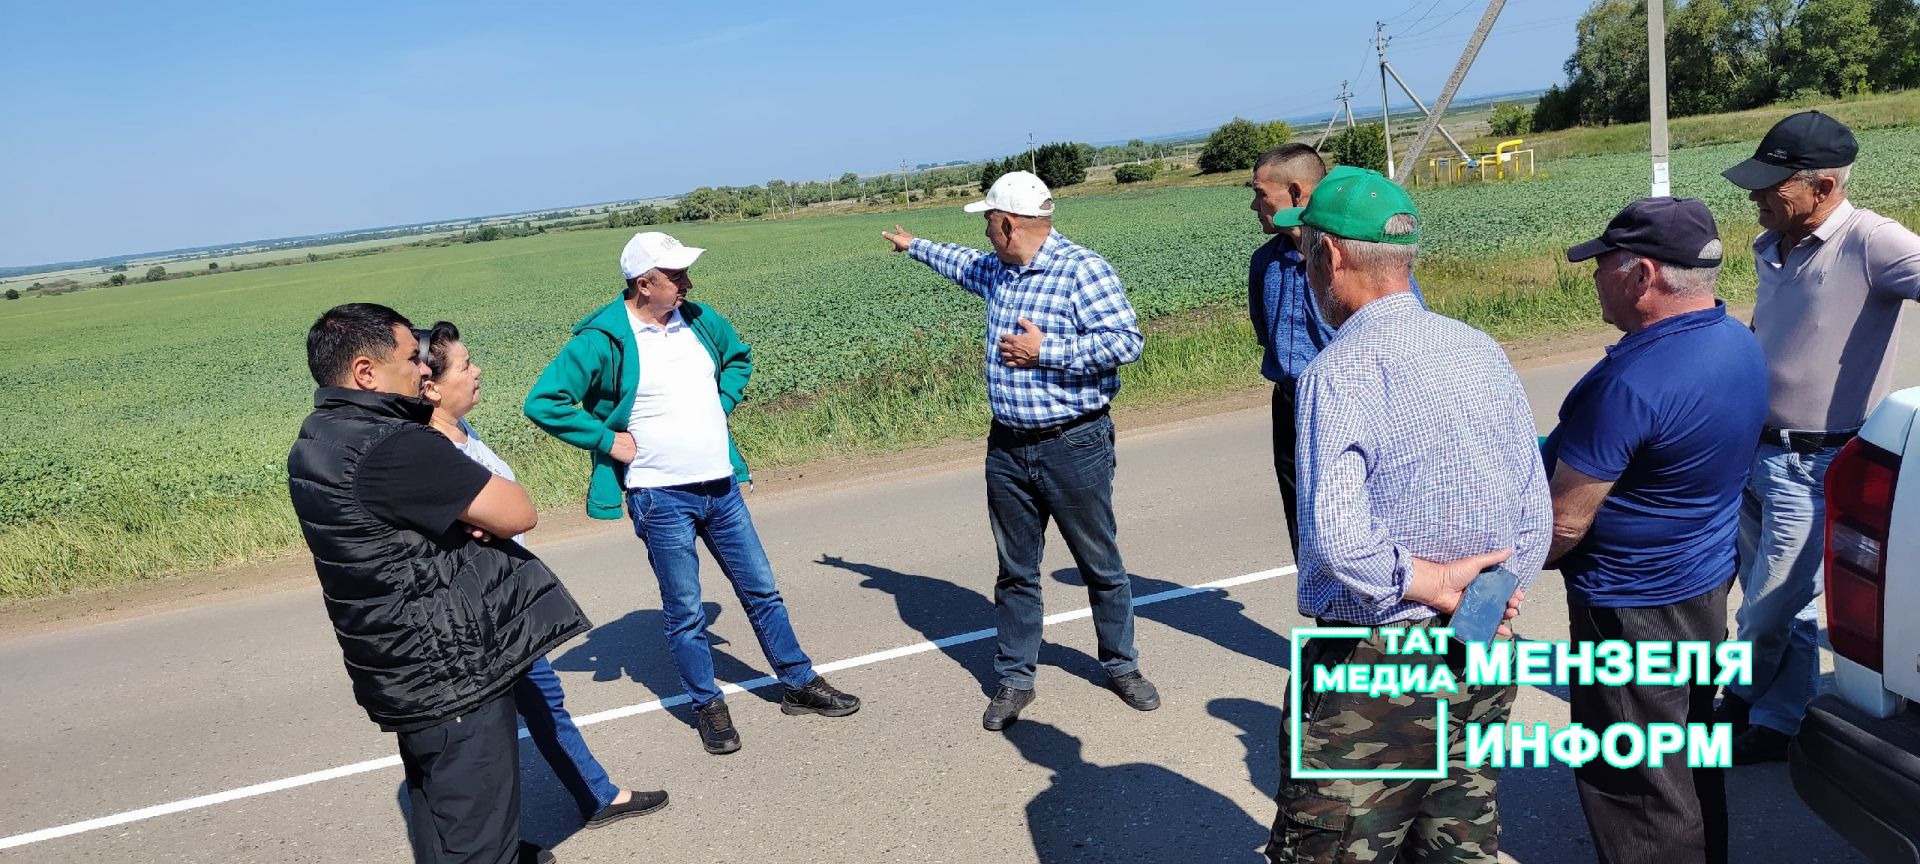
[1286, 323]
[1648, 465]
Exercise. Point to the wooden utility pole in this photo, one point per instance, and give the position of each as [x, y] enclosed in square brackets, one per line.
[1446, 94]
[1657, 92]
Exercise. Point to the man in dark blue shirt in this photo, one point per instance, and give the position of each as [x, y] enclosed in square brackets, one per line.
[1648, 466]
[1288, 327]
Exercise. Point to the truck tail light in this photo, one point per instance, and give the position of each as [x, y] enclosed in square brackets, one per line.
[1859, 515]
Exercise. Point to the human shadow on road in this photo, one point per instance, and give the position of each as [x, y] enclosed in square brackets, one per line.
[1259, 725]
[1132, 812]
[635, 647]
[939, 609]
[1211, 615]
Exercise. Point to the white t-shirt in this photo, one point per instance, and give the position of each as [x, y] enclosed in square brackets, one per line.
[679, 429]
[478, 451]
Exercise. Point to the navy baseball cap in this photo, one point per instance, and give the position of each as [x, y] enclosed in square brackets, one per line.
[1805, 140]
[1677, 231]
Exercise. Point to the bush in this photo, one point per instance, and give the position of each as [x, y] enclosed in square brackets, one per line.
[991, 170]
[155, 274]
[1362, 146]
[1556, 110]
[13, 293]
[117, 279]
[1238, 144]
[1510, 120]
[1134, 173]
[1060, 165]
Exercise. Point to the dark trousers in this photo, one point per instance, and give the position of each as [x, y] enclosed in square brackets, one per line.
[1672, 814]
[1068, 479]
[463, 787]
[1285, 436]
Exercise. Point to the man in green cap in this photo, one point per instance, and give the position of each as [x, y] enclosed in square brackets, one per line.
[1419, 469]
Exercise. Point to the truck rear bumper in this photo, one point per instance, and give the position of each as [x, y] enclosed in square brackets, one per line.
[1862, 776]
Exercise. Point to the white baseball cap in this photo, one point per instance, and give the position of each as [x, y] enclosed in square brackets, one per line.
[650, 249]
[1016, 192]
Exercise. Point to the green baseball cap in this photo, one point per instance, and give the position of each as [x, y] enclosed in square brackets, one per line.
[1354, 203]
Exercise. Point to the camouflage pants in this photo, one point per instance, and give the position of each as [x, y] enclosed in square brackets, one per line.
[1336, 821]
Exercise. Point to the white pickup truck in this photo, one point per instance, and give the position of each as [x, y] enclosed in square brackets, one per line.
[1856, 761]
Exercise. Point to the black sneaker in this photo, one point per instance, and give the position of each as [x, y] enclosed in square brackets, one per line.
[1760, 744]
[818, 697]
[716, 728]
[531, 854]
[1136, 691]
[638, 804]
[1733, 711]
[1005, 708]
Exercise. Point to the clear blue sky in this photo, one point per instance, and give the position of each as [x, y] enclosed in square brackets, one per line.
[145, 126]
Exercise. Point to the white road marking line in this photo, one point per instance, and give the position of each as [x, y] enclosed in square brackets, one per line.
[311, 778]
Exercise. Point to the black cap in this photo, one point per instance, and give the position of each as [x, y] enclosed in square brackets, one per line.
[1669, 230]
[1805, 140]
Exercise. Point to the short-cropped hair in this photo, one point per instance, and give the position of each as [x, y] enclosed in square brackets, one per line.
[348, 331]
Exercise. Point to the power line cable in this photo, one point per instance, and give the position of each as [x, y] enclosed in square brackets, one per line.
[1454, 38]
[1442, 22]
[1423, 16]
[1405, 12]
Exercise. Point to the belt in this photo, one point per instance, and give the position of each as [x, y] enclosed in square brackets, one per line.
[1034, 436]
[1805, 442]
[697, 486]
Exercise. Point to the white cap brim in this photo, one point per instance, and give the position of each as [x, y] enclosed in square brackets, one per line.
[984, 206]
[679, 259]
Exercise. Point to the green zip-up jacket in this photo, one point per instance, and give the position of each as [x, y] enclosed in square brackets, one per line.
[585, 395]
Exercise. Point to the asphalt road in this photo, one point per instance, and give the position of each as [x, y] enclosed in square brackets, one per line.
[102, 721]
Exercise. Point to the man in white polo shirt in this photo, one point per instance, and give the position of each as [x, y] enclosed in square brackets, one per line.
[645, 385]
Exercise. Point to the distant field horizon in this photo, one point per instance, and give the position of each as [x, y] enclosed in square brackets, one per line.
[12, 274]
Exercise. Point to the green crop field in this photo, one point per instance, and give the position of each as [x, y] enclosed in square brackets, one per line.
[148, 425]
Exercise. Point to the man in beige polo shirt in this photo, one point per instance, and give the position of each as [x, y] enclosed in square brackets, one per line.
[1834, 279]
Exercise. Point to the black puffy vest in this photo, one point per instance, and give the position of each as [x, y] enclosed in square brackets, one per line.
[430, 626]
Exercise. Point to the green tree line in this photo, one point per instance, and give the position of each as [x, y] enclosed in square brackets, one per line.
[1730, 55]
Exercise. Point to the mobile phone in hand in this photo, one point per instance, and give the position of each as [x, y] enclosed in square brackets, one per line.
[1478, 617]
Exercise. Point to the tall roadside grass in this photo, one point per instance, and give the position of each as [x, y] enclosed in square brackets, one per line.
[1877, 111]
[924, 399]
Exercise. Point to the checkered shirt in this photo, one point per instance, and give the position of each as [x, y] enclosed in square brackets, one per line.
[1073, 296]
[1416, 440]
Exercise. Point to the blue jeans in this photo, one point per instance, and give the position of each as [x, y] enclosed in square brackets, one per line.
[1782, 536]
[1070, 480]
[668, 519]
[541, 704]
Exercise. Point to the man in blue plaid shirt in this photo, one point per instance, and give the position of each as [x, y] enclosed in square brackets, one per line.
[1058, 329]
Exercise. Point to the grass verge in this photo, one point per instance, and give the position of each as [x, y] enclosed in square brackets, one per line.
[924, 400]
[1876, 111]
